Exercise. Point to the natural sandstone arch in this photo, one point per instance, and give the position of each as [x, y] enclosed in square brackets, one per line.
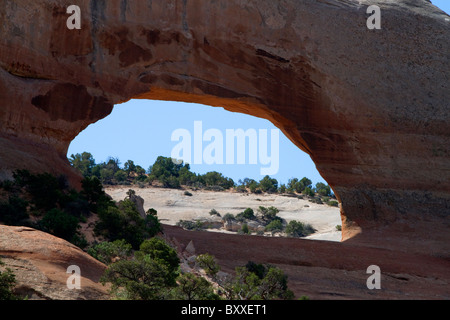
[369, 106]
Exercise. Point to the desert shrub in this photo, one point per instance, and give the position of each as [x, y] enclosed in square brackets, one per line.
[316, 200]
[47, 191]
[129, 167]
[187, 193]
[137, 279]
[83, 162]
[295, 185]
[308, 192]
[107, 251]
[228, 217]
[253, 186]
[323, 189]
[75, 204]
[120, 176]
[260, 283]
[7, 284]
[338, 227]
[14, 212]
[93, 192]
[79, 240]
[268, 184]
[251, 282]
[333, 203]
[214, 212]
[59, 224]
[208, 263]
[248, 214]
[268, 214]
[170, 182]
[152, 225]
[57, 208]
[190, 225]
[107, 176]
[274, 226]
[244, 229]
[158, 250]
[298, 229]
[124, 222]
[192, 287]
[241, 189]
[140, 177]
[149, 275]
[216, 179]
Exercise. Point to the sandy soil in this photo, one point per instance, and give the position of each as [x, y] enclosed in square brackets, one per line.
[172, 206]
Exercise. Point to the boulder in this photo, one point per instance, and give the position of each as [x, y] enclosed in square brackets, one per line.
[139, 203]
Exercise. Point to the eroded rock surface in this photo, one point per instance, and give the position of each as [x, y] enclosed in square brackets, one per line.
[369, 106]
[40, 262]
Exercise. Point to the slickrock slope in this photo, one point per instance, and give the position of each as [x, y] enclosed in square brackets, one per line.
[369, 106]
[40, 262]
[172, 206]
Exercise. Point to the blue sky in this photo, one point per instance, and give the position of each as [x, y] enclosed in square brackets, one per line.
[443, 4]
[141, 130]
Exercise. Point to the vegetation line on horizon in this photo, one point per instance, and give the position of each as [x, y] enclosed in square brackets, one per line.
[168, 173]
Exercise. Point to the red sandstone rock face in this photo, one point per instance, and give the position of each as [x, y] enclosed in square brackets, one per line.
[40, 263]
[369, 106]
[325, 270]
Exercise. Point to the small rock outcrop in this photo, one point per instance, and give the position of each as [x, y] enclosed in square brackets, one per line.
[139, 203]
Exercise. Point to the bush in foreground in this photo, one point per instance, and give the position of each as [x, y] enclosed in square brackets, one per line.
[7, 284]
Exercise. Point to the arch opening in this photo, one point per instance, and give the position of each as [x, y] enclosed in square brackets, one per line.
[142, 130]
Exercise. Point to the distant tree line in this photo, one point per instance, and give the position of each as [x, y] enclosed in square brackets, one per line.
[170, 173]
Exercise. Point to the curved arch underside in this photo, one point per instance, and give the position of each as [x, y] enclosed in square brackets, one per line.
[369, 106]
